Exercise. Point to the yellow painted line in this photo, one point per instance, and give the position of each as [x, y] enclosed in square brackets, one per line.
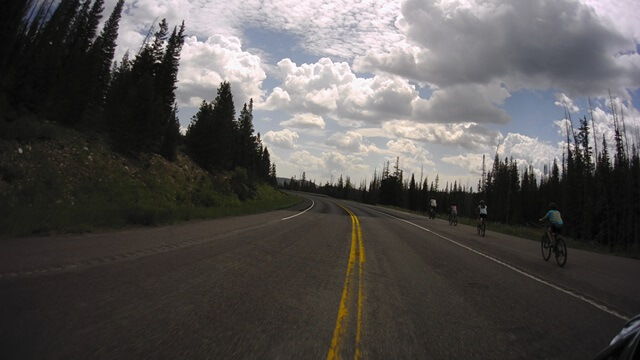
[356, 254]
[360, 293]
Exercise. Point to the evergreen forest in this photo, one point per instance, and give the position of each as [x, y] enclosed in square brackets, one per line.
[596, 190]
[58, 65]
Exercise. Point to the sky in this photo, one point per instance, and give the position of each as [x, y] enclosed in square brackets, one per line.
[341, 87]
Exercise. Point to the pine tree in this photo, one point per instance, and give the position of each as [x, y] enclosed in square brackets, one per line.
[71, 95]
[200, 134]
[167, 78]
[224, 128]
[171, 137]
[117, 104]
[14, 26]
[149, 97]
[101, 56]
[246, 142]
[413, 197]
[265, 164]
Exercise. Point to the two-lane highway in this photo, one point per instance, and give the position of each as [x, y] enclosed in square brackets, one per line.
[326, 279]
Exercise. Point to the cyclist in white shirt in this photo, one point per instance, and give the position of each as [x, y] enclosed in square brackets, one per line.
[481, 210]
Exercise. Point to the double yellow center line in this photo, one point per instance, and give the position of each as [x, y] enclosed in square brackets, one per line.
[356, 257]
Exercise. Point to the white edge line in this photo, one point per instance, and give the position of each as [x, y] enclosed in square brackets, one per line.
[302, 212]
[570, 293]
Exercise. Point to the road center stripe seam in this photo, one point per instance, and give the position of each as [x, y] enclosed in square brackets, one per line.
[356, 254]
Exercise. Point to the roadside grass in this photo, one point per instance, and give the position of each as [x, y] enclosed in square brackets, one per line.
[57, 180]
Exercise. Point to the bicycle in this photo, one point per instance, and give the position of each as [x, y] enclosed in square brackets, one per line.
[559, 249]
[453, 219]
[482, 227]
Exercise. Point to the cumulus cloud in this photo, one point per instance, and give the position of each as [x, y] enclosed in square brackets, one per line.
[529, 151]
[305, 161]
[338, 163]
[467, 136]
[524, 150]
[563, 101]
[205, 64]
[540, 44]
[285, 139]
[602, 125]
[332, 88]
[350, 141]
[459, 104]
[305, 121]
[278, 99]
[412, 155]
[470, 162]
[327, 164]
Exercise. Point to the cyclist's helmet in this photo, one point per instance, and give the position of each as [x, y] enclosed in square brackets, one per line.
[481, 202]
[553, 206]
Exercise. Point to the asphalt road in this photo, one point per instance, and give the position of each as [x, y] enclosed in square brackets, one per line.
[326, 279]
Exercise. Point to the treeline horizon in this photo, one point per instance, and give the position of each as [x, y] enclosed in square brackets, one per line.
[59, 66]
[597, 192]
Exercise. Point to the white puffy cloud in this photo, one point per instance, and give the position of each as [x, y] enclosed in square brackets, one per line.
[467, 135]
[529, 151]
[205, 64]
[278, 99]
[524, 150]
[350, 141]
[337, 163]
[563, 101]
[603, 122]
[305, 161]
[413, 156]
[332, 88]
[305, 121]
[328, 164]
[470, 162]
[285, 138]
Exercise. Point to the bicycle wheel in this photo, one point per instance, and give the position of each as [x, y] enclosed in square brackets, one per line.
[545, 245]
[455, 221]
[483, 228]
[478, 229]
[450, 220]
[561, 251]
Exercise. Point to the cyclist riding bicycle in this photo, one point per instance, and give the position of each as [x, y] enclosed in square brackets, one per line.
[432, 207]
[555, 220]
[481, 210]
[453, 209]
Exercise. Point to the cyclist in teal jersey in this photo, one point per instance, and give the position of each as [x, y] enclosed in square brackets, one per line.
[555, 218]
